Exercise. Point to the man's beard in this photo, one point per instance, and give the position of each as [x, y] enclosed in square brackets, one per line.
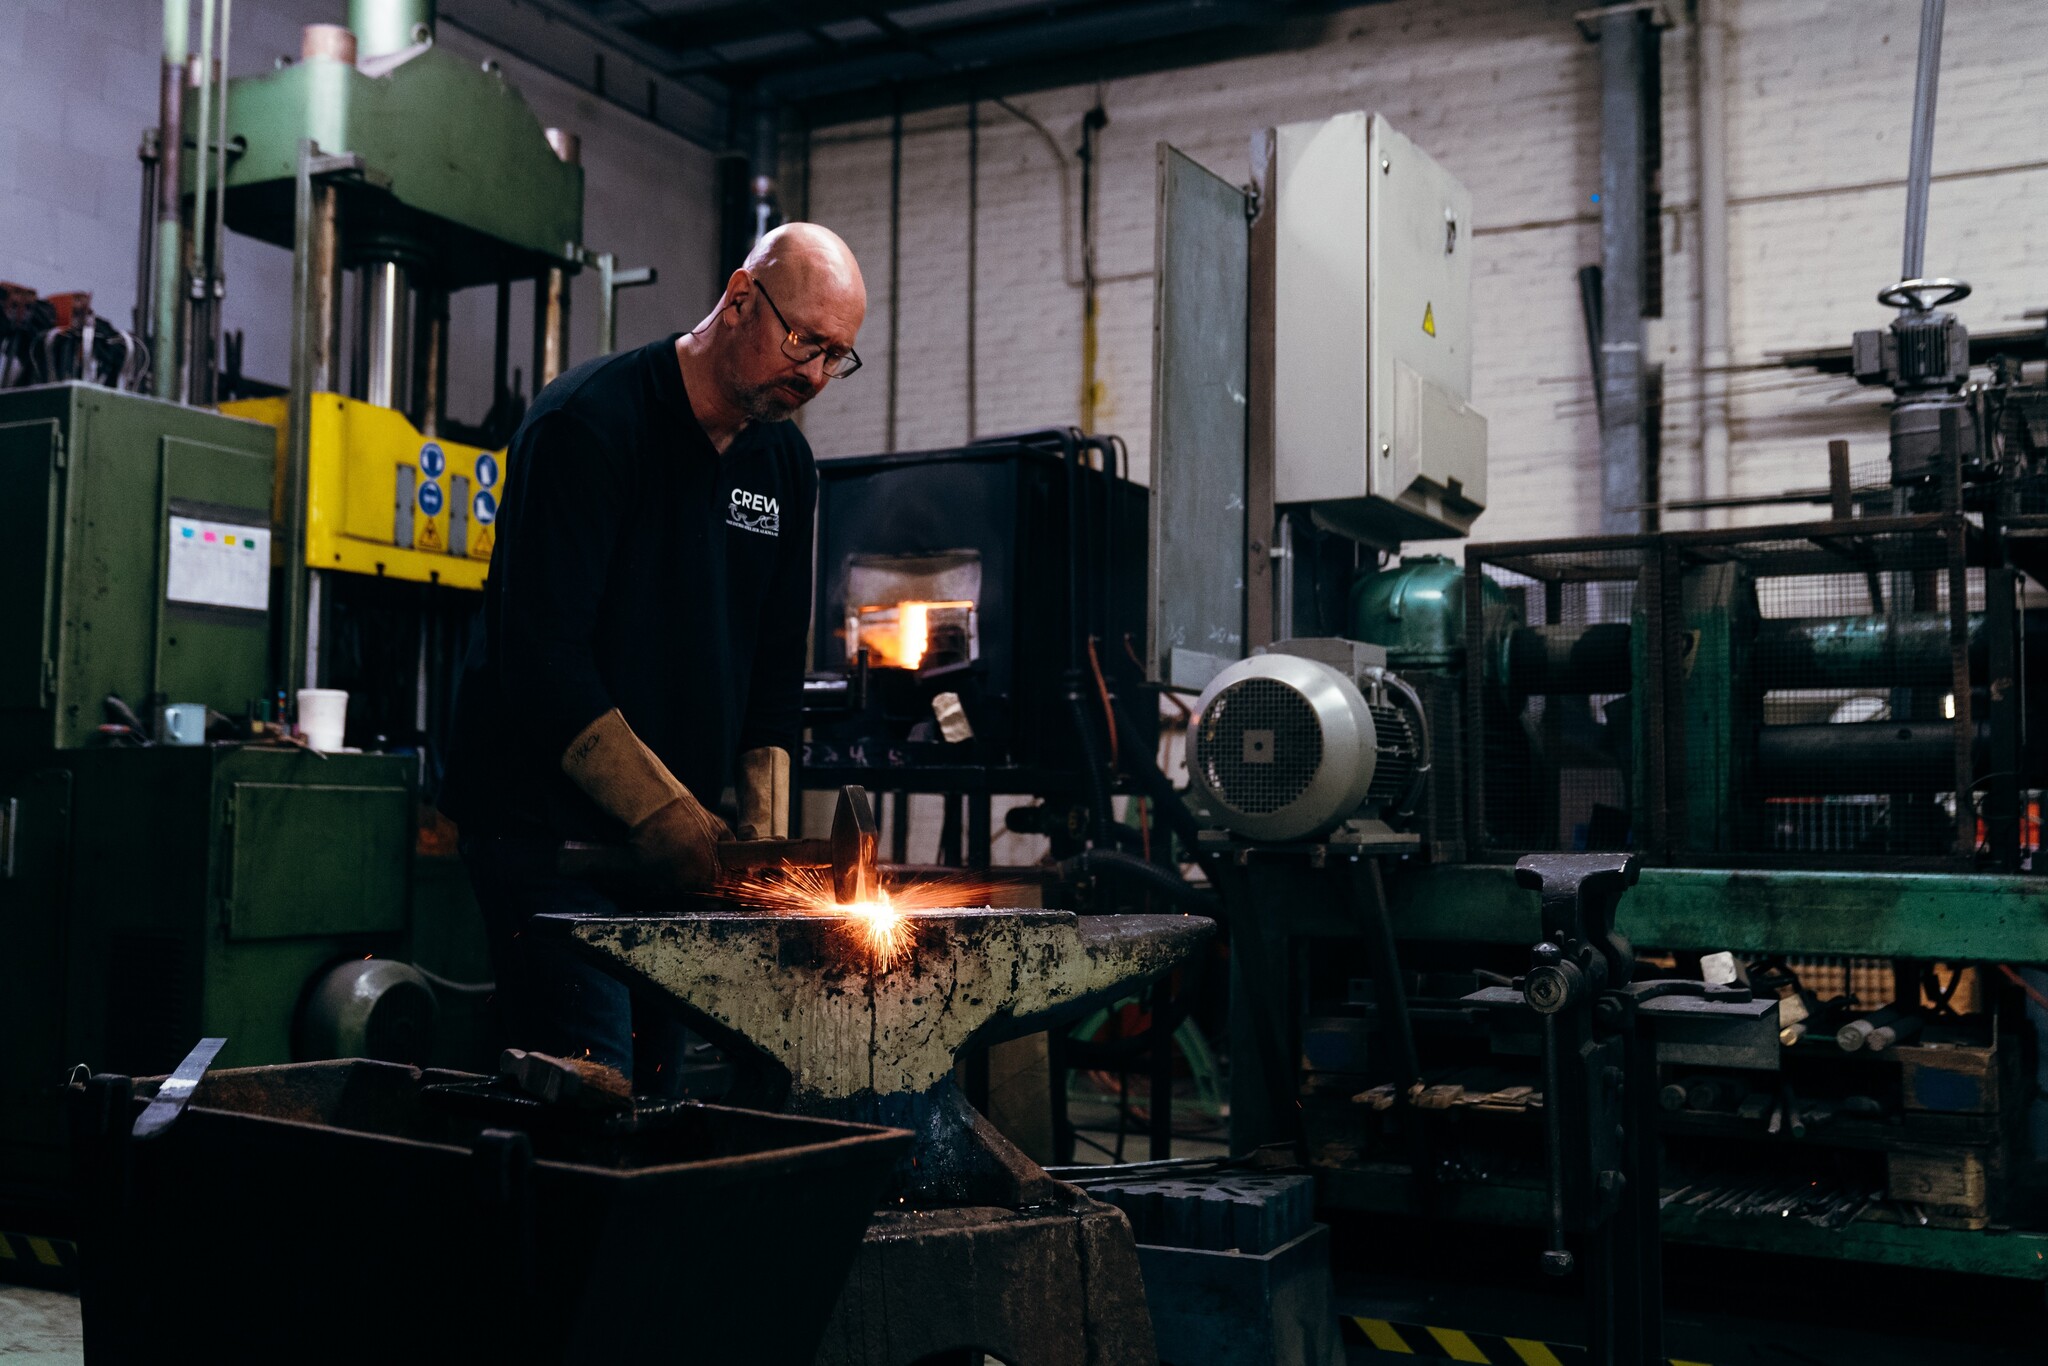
[775, 402]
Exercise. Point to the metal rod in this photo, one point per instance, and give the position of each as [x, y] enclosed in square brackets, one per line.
[170, 256]
[314, 251]
[973, 251]
[383, 26]
[145, 238]
[1920, 167]
[324, 295]
[1621, 272]
[1711, 32]
[1159, 1101]
[384, 325]
[895, 263]
[216, 262]
[551, 326]
[1841, 496]
[196, 273]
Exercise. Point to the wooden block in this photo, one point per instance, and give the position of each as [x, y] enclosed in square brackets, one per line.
[1957, 1078]
[1956, 1187]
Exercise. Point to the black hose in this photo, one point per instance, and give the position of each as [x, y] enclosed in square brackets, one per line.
[1143, 767]
[1130, 868]
[1091, 760]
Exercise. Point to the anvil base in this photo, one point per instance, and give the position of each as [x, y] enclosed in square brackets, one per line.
[1057, 1285]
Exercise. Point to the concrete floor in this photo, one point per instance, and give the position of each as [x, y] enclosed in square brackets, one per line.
[39, 1328]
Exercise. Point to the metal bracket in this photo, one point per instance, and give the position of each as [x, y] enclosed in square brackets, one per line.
[610, 280]
[348, 165]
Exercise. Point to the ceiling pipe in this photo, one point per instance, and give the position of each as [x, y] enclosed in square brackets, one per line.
[1621, 36]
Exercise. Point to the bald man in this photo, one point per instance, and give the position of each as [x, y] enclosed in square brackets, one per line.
[644, 633]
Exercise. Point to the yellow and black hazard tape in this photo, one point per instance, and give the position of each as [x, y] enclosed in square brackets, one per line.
[1451, 1344]
[26, 1252]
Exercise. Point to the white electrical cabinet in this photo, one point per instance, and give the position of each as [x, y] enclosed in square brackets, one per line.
[1361, 346]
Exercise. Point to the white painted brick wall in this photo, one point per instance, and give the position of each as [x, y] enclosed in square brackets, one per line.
[78, 84]
[1504, 93]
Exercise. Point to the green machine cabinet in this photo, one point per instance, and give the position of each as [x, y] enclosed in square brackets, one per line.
[166, 894]
[135, 550]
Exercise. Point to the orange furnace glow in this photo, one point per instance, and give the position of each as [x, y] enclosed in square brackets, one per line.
[898, 636]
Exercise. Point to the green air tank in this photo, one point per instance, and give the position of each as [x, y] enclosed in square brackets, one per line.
[135, 550]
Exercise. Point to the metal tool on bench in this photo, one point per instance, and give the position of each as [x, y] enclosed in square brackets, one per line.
[851, 853]
[1599, 1030]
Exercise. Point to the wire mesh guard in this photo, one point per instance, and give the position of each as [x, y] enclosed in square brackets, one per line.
[1794, 692]
[1554, 726]
[1259, 745]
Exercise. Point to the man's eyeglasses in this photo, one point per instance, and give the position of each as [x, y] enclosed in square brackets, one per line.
[802, 350]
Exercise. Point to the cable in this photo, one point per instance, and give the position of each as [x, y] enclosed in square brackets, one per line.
[1167, 693]
[1155, 877]
[1108, 711]
[2033, 992]
[440, 983]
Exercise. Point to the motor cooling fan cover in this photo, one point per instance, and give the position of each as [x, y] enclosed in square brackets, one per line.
[1283, 747]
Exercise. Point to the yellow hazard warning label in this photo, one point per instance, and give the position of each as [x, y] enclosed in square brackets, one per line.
[428, 535]
[1429, 319]
[1385, 1338]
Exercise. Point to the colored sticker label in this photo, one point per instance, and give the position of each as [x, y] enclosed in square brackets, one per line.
[433, 460]
[487, 471]
[430, 498]
[483, 505]
[1429, 319]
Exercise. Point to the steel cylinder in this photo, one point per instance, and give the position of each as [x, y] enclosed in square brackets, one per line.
[383, 26]
[1552, 660]
[369, 1008]
[387, 330]
[1859, 757]
[329, 42]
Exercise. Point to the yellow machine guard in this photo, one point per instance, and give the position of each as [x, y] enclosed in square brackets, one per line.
[383, 500]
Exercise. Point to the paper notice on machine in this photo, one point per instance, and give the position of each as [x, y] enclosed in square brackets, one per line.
[218, 564]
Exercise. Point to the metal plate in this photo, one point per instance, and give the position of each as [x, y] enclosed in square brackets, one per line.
[308, 860]
[1199, 371]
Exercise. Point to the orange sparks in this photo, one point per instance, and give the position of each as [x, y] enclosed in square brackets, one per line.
[884, 929]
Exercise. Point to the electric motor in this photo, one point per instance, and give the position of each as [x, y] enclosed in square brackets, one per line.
[1287, 747]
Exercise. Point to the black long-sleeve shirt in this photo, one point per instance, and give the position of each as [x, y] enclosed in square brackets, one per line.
[635, 567]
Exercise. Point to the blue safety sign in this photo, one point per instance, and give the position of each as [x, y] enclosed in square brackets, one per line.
[487, 471]
[433, 460]
[485, 507]
[430, 498]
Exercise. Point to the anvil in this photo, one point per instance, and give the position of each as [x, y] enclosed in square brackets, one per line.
[831, 1034]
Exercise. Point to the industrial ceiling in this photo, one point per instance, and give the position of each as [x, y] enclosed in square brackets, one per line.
[692, 65]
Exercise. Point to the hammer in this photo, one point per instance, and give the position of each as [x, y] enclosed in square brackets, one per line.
[852, 852]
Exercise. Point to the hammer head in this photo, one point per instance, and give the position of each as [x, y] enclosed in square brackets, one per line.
[856, 849]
